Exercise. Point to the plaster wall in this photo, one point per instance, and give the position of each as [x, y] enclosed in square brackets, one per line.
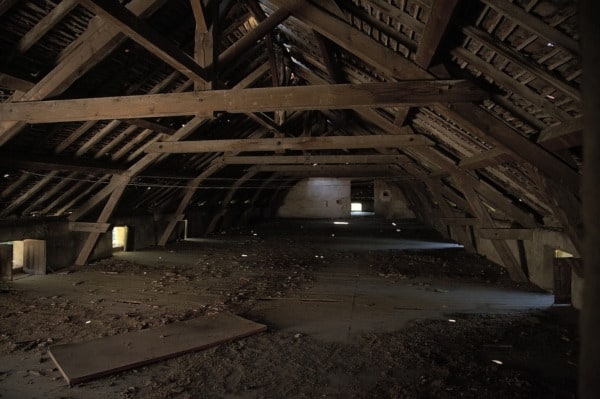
[390, 202]
[317, 198]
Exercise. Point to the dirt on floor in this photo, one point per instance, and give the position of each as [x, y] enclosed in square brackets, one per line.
[518, 355]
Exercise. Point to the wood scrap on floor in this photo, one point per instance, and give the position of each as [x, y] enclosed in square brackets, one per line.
[83, 361]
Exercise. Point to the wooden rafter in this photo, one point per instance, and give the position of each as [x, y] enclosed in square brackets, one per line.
[147, 37]
[439, 18]
[85, 52]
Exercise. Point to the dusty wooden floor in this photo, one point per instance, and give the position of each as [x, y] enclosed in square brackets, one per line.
[358, 310]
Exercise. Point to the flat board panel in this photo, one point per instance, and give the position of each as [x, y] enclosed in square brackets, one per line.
[79, 362]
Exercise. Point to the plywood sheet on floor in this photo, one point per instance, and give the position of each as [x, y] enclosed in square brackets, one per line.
[79, 362]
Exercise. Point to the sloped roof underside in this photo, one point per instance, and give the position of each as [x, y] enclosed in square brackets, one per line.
[493, 115]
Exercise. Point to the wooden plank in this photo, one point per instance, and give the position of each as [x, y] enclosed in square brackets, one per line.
[343, 96]
[439, 17]
[89, 227]
[505, 234]
[147, 37]
[530, 22]
[290, 143]
[314, 159]
[79, 362]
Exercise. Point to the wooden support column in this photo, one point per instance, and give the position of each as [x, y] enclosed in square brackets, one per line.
[511, 263]
[92, 237]
[589, 358]
[223, 209]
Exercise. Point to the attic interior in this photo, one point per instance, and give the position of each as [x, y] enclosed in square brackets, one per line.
[395, 188]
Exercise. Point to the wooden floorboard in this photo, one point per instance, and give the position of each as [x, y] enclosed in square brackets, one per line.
[83, 361]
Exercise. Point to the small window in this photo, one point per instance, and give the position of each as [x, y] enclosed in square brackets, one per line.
[356, 207]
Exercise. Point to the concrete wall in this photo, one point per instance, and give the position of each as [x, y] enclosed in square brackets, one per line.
[390, 202]
[317, 198]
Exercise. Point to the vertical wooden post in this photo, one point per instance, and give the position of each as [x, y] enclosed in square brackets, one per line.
[589, 363]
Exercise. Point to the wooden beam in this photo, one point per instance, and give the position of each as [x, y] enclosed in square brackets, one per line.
[92, 238]
[557, 132]
[398, 14]
[521, 61]
[189, 193]
[505, 234]
[263, 28]
[203, 43]
[290, 143]
[264, 99]
[81, 194]
[14, 83]
[38, 162]
[147, 37]
[6, 5]
[533, 24]
[439, 17]
[87, 50]
[461, 221]
[508, 82]
[40, 199]
[510, 262]
[313, 159]
[17, 202]
[89, 227]
[362, 14]
[356, 42]
[331, 170]
[44, 25]
[228, 197]
[486, 158]
[484, 124]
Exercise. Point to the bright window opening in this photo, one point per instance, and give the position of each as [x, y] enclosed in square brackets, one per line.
[119, 237]
[356, 207]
